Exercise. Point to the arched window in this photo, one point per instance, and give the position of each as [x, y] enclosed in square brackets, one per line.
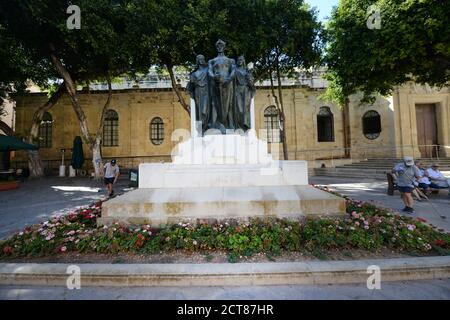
[272, 124]
[45, 131]
[111, 129]
[157, 131]
[325, 125]
[371, 124]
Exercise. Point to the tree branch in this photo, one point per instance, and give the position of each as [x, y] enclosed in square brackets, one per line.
[177, 90]
[98, 136]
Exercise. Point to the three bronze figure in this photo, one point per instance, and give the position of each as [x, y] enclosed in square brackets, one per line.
[222, 92]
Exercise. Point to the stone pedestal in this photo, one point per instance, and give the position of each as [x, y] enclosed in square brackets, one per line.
[219, 177]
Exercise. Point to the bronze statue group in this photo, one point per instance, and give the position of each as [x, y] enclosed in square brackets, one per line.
[222, 91]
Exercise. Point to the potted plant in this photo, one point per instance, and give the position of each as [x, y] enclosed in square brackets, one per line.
[9, 184]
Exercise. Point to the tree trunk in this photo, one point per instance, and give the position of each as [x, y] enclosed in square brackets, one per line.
[97, 160]
[34, 159]
[282, 115]
[272, 88]
[97, 147]
[72, 91]
[346, 128]
[177, 90]
[94, 144]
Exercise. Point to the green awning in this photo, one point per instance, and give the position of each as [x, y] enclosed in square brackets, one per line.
[77, 153]
[13, 144]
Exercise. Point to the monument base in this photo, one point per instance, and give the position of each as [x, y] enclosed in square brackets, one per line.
[161, 206]
[220, 177]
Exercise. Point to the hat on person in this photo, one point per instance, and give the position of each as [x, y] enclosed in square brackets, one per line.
[435, 164]
[409, 161]
[113, 161]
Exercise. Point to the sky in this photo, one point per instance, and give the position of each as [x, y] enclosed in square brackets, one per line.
[324, 7]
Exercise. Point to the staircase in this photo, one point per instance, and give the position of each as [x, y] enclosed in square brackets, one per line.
[375, 168]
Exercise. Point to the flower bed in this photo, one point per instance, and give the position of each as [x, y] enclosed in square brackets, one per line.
[366, 227]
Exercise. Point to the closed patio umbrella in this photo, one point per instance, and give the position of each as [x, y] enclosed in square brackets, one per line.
[77, 153]
[12, 144]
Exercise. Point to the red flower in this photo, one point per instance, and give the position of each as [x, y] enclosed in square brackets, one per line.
[140, 241]
[439, 242]
[421, 219]
[7, 250]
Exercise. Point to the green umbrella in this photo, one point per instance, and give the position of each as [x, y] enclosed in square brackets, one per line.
[12, 144]
[77, 153]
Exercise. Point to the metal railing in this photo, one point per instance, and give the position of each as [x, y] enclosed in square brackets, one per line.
[364, 153]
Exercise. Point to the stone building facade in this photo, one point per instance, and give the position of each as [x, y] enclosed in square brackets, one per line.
[141, 124]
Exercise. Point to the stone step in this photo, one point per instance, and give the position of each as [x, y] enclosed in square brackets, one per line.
[342, 175]
[161, 206]
[170, 175]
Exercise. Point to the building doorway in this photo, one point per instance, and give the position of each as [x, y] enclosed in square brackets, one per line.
[427, 130]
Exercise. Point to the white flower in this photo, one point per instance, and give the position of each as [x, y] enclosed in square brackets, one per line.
[194, 243]
[20, 233]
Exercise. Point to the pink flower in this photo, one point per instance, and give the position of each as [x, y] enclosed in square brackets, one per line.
[63, 249]
[357, 223]
[7, 250]
[49, 237]
[366, 227]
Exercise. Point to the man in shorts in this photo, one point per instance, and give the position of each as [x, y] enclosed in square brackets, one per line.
[111, 175]
[407, 174]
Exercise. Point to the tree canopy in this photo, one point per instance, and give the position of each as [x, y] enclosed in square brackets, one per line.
[412, 44]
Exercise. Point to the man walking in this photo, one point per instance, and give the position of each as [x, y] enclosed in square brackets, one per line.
[407, 174]
[111, 175]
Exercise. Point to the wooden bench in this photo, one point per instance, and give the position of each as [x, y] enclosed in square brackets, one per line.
[392, 186]
[391, 183]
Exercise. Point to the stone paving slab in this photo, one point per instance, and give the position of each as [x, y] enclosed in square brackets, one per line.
[397, 290]
[225, 274]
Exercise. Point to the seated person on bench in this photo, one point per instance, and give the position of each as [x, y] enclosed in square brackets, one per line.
[438, 180]
[423, 182]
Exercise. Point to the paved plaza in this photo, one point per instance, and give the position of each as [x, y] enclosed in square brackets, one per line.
[403, 290]
[38, 200]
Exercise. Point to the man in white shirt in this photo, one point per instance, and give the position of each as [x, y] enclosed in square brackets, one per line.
[423, 182]
[111, 175]
[438, 180]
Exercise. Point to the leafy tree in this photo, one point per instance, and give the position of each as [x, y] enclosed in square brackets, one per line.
[289, 39]
[412, 44]
[18, 66]
[94, 52]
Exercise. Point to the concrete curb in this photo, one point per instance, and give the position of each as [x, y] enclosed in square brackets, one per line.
[239, 274]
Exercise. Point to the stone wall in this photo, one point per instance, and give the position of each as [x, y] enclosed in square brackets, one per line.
[137, 107]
